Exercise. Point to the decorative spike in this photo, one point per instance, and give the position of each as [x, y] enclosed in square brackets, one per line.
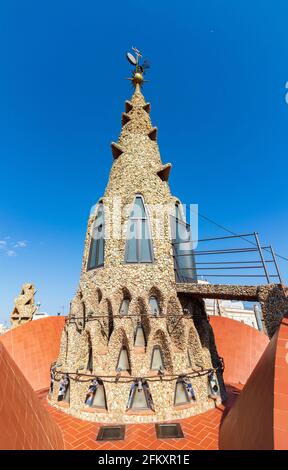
[163, 173]
[116, 150]
[128, 106]
[147, 107]
[153, 134]
[125, 118]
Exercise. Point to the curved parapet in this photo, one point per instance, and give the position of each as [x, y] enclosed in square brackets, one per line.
[24, 422]
[281, 388]
[241, 347]
[33, 347]
[259, 419]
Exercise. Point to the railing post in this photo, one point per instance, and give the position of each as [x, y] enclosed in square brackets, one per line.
[276, 264]
[262, 257]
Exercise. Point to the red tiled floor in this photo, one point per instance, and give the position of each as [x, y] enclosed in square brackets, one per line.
[201, 431]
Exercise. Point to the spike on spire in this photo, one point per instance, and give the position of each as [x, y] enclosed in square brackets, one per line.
[136, 119]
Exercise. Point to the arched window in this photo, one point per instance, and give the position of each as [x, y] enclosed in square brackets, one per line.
[124, 307]
[83, 308]
[52, 377]
[154, 305]
[157, 359]
[140, 397]
[139, 244]
[99, 295]
[184, 259]
[189, 359]
[140, 337]
[184, 392]
[123, 360]
[97, 245]
[96, 395]
[90, 359]
[66, 345]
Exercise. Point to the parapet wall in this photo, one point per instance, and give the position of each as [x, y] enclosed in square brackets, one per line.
[34, 346]
[241, 347]
[258, 420]
[24, 423]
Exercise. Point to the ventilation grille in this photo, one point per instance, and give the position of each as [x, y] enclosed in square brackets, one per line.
[169, 431]
[111, 433]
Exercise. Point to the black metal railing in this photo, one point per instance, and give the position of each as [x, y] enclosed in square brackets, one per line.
[226, 262]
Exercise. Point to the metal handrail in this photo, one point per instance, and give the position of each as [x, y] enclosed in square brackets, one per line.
[261, 263]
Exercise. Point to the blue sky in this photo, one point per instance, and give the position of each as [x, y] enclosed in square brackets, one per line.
[217, 88]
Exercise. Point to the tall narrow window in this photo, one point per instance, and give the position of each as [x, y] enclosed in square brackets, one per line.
[184, 258]
[154, 305]
[124, 307]
[90, 359]
[157, 359]
[189, 359]
[140, 337]
[66, 345]
[123, 361]
[52, 377]
[139, 244]
[97, 245]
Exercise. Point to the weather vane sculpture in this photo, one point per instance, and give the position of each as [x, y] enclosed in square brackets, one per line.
[140, 67]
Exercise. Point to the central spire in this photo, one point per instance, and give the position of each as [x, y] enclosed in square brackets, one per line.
[128, 285]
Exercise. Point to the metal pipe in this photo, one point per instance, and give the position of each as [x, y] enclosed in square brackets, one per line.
[262, 257]
[232, 275]
[232, 262]
[276, 265]
[215, 238]
[224, 267]
[220, 252]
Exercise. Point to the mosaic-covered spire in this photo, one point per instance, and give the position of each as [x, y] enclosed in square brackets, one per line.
[128, 329]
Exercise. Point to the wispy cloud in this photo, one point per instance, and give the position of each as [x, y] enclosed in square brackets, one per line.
[11, 253]
[21, 244]
[10, 247]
